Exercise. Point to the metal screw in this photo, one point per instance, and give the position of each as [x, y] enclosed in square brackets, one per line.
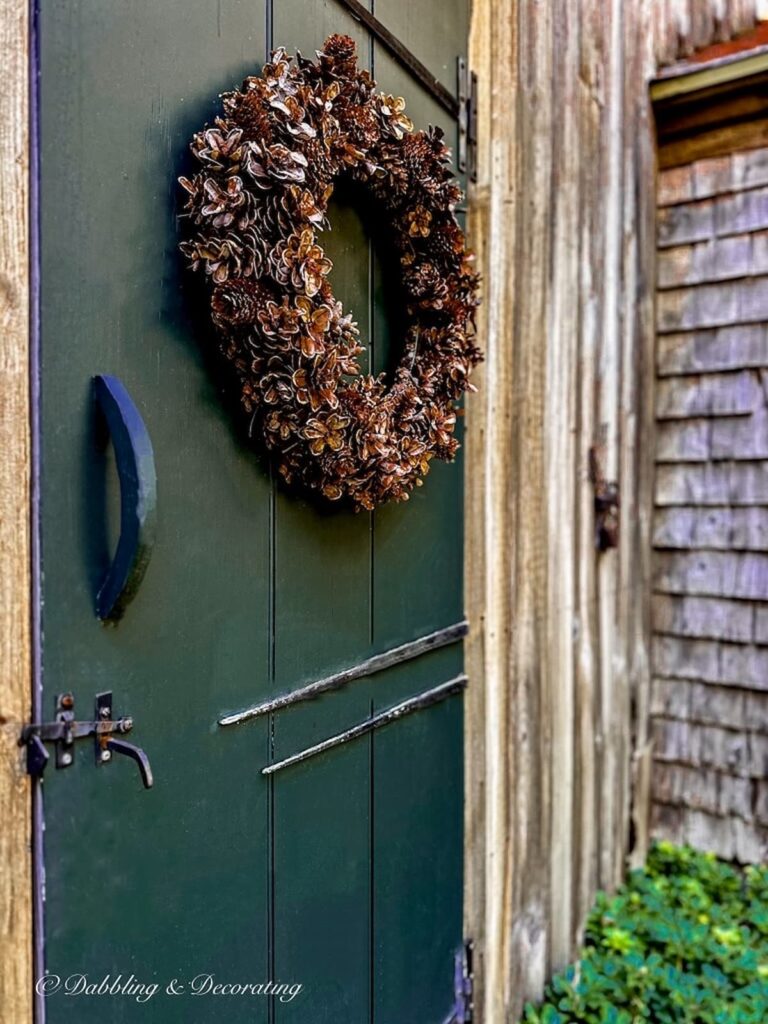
[105, 712]
[106, 755]
[67, 701]
[66, 759]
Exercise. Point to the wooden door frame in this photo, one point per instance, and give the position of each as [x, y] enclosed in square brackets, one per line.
[16, 894]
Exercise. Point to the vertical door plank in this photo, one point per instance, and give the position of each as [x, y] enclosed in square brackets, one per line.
[417, 847]
[417, 587]
[417, 875]
[436, 39]
[322, 580]
[173, 883]
[418, 543]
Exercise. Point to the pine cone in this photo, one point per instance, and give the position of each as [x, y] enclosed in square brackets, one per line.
[390, 181]
[250, 111]
[446, 245]
[321, 167]
[423, 156]
[417, 155]
[339, 55]
[272, 221]
[425, 282]
[236, 303]
[360, 123]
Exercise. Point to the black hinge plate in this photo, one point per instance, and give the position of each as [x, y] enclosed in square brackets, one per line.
[467, 90]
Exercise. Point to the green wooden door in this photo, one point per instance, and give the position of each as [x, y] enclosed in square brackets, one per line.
[342, 874]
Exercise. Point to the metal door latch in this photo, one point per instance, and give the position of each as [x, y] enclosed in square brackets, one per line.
[65, 729]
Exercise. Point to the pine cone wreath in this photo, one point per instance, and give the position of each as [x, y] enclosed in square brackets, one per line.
[267, 170]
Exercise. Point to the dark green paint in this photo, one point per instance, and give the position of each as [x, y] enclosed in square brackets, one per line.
[135, 467]
[344, 873]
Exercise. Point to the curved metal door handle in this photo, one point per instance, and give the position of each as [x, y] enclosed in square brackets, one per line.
[138, 497]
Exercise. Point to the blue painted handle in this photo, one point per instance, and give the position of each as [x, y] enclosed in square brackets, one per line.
[138, 497]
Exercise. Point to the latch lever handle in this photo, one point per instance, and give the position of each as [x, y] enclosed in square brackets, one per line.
[136, 754]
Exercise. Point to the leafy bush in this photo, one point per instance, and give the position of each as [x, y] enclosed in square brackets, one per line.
[684, 941]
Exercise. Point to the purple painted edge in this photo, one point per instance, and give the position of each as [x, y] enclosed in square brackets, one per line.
[38, 817]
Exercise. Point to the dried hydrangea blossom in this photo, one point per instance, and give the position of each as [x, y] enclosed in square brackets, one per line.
[267, 172]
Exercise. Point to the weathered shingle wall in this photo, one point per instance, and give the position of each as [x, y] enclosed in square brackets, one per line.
[710, 569]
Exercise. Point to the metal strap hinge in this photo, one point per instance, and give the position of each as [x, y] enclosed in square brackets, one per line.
[467, 90]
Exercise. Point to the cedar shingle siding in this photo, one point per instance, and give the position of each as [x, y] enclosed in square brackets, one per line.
[710, 568]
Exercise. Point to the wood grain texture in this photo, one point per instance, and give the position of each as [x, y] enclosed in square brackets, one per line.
[713, 305]
[725, 574]
[563, 220]
[682, 26]
[715, 143]
[736, 529]
[725, 348]
[714, 483]
[591, 239]
[15, 468]
[704, 617]
[743, 438]
[529, 500]
[731, 394]
[709, 701]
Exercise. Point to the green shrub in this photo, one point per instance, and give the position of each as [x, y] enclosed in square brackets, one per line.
[685, 940]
